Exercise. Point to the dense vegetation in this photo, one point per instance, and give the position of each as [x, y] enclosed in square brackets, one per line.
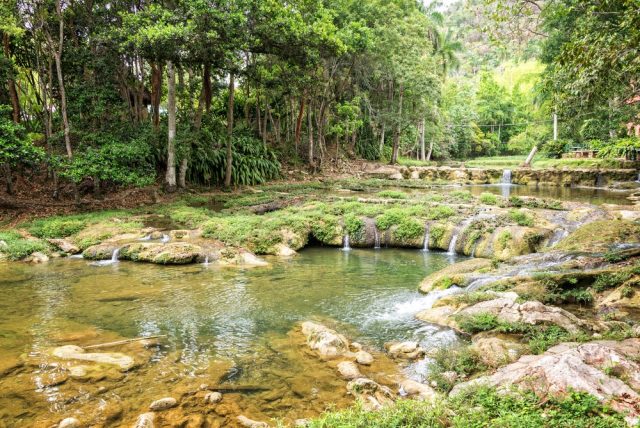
[100, 94]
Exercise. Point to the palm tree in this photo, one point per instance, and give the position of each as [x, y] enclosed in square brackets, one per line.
[446, 49]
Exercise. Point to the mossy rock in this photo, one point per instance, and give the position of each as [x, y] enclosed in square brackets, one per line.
[600, 236]
[455, 274]
[173, 253]
[102, 251]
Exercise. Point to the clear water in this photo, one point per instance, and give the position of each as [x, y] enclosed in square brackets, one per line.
[209, 315]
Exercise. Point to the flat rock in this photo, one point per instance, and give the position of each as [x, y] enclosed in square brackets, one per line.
[64, 245]
[496, 351]
[420, 390]
[72, 352]
[69, 423]
[457, 274]
[405, 350]
[163, 404]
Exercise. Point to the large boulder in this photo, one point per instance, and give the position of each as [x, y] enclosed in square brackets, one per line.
[607, 370]
[326, 342]
[497, 350]
[172, 253]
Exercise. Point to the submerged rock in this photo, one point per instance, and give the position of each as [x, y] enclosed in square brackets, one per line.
[145, 420]
[163, 404]
[36, 258]
[372, 394]
[607, 370]
[72, 352]
[213, 398]
[250, 423]
[326, 342]
[349, 370]
[364, 358]
[69, 423]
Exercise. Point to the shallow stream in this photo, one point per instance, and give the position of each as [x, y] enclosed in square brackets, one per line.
[222, 326]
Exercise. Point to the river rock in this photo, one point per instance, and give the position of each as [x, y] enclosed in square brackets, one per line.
[64, 245]
[325, 341]
[496, 351]
[364, 358]
[69, 423]
[36, 258]
[420, 390]
[163, 404]
[372, 394]
[405, 350]
[145, 420]
[250, 423]
[213, 398]
[72, 352]
[349, 370]
[568, 367]
[284, 251]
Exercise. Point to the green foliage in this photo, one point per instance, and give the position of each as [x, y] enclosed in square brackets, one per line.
[555, 149]
[393, 194]
[521, 218]
[409, 229]
[15, 147]
[440, 212]
[620, 148]
[478, 322]
[607, 281]
[16, 247]
[489, 198]
[56, 227]
[504, 238]
[354, 225]
[460, 359]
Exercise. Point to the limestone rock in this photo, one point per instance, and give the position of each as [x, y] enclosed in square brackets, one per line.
[64, 245]
[326, 342]
[405, 350]
[213, 397]
[372, 394]
[172, 253]
[496, 351]
[102, 251]
[455, 274]
[249, 423]
[588, 367]
[364, 358]
[420, 390]
[349, 370]
[284, 251]
[72, 352]
[69, 423]
[301, 423]
[145, 420]
[37, 257]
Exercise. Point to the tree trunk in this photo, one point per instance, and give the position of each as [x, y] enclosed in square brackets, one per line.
[310, 130]
[527, 162]
[182, 174]
[63, 95]
[156, 92]
[206, 85]
[8, 178]
[299, 123]
[396, 132]
[428, 158]
[13, 93]
[170, 177]
[381, 142]
[227, 176]
[422, 155]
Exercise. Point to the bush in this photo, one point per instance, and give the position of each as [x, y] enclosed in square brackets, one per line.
[393, 194]
[459, 359]
[555, 149]
[440, 212]
[607, 281]
[489, 198]
[478, 322]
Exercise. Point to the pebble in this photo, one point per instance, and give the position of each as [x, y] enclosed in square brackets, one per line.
[163, 404]
[69, 423]
[213, 398]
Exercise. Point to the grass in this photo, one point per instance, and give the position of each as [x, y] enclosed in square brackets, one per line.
[481, 407]
[458, 359]
[521, 218]
[392, 194]
[16, 247]
[489, 198]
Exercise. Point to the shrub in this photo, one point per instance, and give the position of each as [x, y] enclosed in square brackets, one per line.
[440, 212]
[353, 225]
[606, 281]
[627, 292]
[464, 195]
[409, 229]
[489, 198]
[555, 149]
[459, 359]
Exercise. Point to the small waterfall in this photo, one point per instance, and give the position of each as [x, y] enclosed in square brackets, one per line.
[506, 176]
[452, 244]
[114, 255]
[345, 243]
[165, 238]
[145, 238]
[638, 179]
[475, 247]
[425, 244]
[376, 237]
[206, 261]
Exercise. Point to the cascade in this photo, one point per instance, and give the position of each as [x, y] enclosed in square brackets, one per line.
[506, 176]
[206, 261]
[376, 236]
[452, 244]
[345, 241]
[114, 256]
[425, 245]
[145, 238]
[165, 238]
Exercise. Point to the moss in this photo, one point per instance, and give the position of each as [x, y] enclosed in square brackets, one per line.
[601, 235]
[463, 195]
[56, 227]
[504, 239]
[440, 212]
